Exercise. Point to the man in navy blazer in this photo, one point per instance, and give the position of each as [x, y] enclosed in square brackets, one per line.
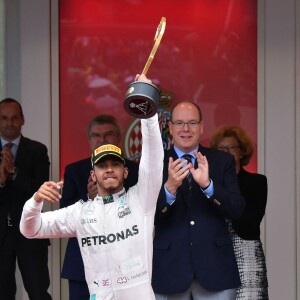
[79, 185]
[193, 254]
[24, 166]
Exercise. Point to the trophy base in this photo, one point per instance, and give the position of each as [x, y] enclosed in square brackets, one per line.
[141, 100]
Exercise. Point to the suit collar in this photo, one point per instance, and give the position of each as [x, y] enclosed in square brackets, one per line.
[21, 154]
[173, 153]
[15, 141]
[180, 152]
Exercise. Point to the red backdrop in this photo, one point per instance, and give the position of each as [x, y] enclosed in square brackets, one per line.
[208, 55]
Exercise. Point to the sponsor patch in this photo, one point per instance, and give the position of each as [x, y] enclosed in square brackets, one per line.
[123, 209]
[132, 265]
[105, 282]
[110, 238]
[122, 280]
[89, 210]
[108, 199]
[84, 221]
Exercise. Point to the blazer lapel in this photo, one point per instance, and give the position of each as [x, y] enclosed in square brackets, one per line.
[172, 154]
[20, 155]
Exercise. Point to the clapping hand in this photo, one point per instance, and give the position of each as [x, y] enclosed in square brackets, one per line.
[178, 170]
[201, 174]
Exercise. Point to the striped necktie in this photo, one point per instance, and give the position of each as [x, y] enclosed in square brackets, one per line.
[9, 145]
[189, 177]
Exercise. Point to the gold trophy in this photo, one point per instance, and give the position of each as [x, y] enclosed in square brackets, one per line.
[141, 99]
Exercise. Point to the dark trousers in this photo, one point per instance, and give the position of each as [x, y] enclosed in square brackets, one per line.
[33, 265]
[78, 290]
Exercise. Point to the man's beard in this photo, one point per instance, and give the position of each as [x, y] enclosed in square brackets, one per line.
[109, 190]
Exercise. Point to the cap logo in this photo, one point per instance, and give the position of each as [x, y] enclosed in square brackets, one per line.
[110, 148]
[104, 150]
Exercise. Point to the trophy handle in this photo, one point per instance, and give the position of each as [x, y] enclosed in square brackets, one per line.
[157, 38]
[141, 99]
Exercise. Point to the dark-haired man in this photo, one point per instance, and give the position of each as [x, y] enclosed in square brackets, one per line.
[78, 184]
[24, 167]
[115, 229]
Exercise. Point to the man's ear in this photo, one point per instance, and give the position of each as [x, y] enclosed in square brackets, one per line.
[125, 172]
[93, 176]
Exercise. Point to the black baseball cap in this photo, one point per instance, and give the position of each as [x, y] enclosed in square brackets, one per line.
[106, 150]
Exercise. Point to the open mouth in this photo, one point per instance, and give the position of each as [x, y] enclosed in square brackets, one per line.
[186, 137]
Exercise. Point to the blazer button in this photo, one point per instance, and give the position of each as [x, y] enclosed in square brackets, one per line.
[192, 223]
[164, 210]
[217, 202]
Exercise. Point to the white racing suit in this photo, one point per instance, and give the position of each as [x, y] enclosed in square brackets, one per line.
[114, 233]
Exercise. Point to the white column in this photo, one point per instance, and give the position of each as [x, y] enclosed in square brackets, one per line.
[280, 146]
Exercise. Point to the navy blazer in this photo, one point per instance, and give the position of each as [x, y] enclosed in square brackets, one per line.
[75, 188]
[191, 236]
[32, 162]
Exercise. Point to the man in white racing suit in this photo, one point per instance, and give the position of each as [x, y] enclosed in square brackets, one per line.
[115, 229]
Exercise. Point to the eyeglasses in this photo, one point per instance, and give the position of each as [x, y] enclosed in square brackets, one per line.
[94, 135]
[190, 124]
[229, 148]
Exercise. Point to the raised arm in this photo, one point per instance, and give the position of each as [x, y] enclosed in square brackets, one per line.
[151, 164]
[35, 224]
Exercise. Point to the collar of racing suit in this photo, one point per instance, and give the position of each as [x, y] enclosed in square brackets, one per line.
[110, 198]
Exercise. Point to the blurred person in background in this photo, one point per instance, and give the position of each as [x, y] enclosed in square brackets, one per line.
[24, 166]
[246, 230]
